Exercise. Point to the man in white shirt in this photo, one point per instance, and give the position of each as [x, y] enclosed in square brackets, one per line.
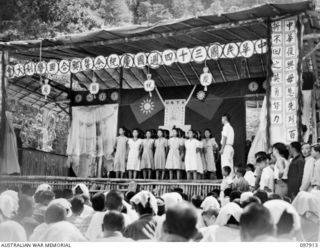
[227, 139]
[249, 176]
[308, 167]
[267, 178]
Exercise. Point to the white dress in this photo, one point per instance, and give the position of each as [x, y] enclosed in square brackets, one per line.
[173, 159]
[191, 158]
[133, 156]
[199, 159]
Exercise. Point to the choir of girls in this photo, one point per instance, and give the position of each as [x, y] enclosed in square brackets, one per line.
[140, 154]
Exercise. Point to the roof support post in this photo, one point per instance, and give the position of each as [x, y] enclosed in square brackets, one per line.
[120, 95]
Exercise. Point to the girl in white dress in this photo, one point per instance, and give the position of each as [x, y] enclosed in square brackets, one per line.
[161, 145]
[134, 155]
[209, 147]
[200, 156]
[147, 161]
[174, 160]
[120, 153]
[191, 158]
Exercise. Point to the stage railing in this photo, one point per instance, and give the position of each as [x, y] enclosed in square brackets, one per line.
[196, 187]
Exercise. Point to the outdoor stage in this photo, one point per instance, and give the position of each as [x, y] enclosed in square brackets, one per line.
[158, 187]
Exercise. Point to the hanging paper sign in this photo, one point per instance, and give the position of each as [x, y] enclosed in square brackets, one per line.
[290, 65]
[102, 96]
[113, 61]
[291, 106]
[29, 69]
[52, 67]
[261, 46]
[290, 51]
[276, 119]
[246, 49]
[45, 89]
[140, 60]
[291, 120]
[276, 91]
[154, 59]
[87, 64]
[114, 96]
[276, 51]
[292, 135]
[199, 54]
[78, 98]
[169, 57]
[94, 88]
[9, 71]
[149, 84]
[206, 78]
[215, 51]
[276, 105]
[76, 66]
[174, 113]
[291, 92]
[276, 78]
[64, 66]
[100, 62]
[290, 78]
[41, 67]
[89, 97]
[183, 55]
[276, 26]
[231, 50]
[19, 70]
[290, 38]
[127, 61]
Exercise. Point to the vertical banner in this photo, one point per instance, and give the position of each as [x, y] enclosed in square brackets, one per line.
[285, 81]
[174, 114]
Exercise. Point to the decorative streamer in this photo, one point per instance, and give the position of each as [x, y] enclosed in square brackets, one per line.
[299, 69]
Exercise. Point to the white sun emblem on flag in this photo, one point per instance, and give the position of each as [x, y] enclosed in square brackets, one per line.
[146, 106]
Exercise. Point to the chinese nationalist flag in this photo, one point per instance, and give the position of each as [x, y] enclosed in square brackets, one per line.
[146, 107]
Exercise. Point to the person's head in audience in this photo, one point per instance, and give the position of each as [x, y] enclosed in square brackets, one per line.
[315, 151]
[262, 195]
[113, 221]
[26, 206]
[196, 200]
[161, 206]
[226, 170]
[295, 149]
[36, 197]
[144, 203]
[306, 150]
[58, 193]
[26, 189]
[77, 205]
[262, 159]
[46, 197]
[255, 223]
[275, 197]
[235, 195]
[98, 202]
[114, 200]
[250, 167]
[181, 221]
[214, 193]
[209, 216]
[129, 195]
[250, 200]
[55, 213]
[227, 192]
[280, 150]
[240, 172]
[67, 194]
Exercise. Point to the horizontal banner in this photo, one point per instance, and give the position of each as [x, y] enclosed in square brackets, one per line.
[153, 59]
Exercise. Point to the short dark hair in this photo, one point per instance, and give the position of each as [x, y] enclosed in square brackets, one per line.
[316, 147]
[196, 200]
[285, 224]
[251, 199]
[129, 195]
[275, 197]
[255, 221]
[235, 195]
[227, 169]
[262, 195]
[98, 202]
[282, 149]
[242, 171]
[227, 115]
[46, 196]
[77, 204]
[261, 156]
[55, 213]
[250, 166]
[114, 200]
[227, 192]
[113, 221]
[296, 146]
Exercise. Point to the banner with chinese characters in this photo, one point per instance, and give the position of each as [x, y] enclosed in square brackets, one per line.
[174, 114]
[153, 59]
[285, 81]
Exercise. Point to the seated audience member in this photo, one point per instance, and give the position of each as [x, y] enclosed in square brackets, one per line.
[9, 206]
[67, 194]
[245, 196]
[250, 200]
[239, 183]
[145, 205]
[12, 231]
[180, 223]
[27, 190]
[307, 205]
[113, 202]
[249, 175]
[43, 187]
[286, 220]
[275, 197]
[210, 206]
[129, 195]
[226, 198]
[261, 162]
[112, 227]
[196, 200]
[77, 208]
[235, 196]
[256, 224]
[308, 167]
[267, 176]
[262, 195]
[63, 203]
[315, 180]
[160, 204]
[226, 181]
[226, 227]
[295, 171]
[44, 198]
[82, 190]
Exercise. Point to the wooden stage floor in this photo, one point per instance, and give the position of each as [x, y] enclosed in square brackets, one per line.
[158, 187]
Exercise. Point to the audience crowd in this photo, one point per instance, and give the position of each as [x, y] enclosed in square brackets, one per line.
[277, 199]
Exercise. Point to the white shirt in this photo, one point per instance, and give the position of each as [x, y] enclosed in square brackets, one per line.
[307, 173]
[267, 178]
[250, 178]
[228, 132]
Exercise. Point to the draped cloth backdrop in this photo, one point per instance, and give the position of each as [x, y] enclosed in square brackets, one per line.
[91, 138]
